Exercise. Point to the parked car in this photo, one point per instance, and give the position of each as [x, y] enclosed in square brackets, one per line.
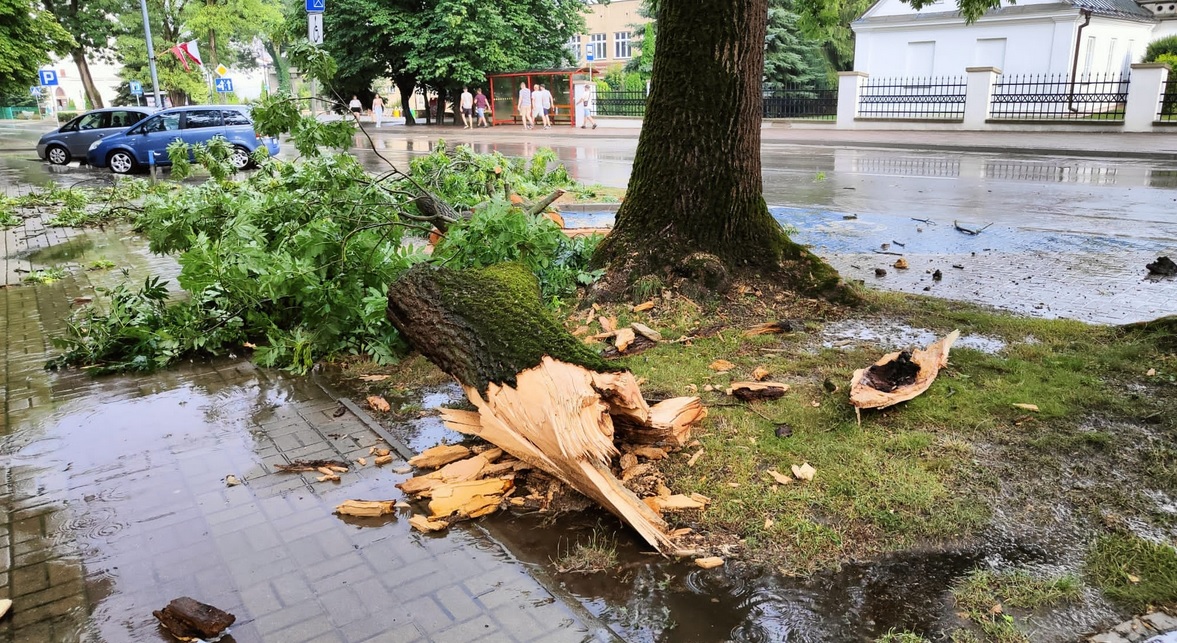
[74, 139]
[147, 142]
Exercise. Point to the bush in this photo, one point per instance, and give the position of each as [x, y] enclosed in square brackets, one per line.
[1160, 47]
[63, 117]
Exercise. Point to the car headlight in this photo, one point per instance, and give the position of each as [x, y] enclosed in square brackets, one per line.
[95, 145]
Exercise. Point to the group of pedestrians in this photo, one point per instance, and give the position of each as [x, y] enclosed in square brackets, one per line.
[357, 108]
[471, 103]
[535, 103]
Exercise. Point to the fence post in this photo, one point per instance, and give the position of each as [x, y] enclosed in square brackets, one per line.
[1144, 96]
[978, 95]
[849, 91]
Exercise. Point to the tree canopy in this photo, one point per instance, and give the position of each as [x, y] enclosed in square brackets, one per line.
[27, 35]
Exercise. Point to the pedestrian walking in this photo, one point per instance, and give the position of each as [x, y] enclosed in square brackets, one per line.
[538, 110]
[378, 109]
[525, 105]
[481, 104]
[584, 103]
[467, 106]
[356, 106]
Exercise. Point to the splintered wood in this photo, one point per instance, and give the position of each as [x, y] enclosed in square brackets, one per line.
[559, 418]
[899, 376]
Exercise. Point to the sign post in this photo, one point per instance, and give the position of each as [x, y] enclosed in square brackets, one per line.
[315, 9]
[224, 85]
[136, 90]
[589, 54]
[151, 55]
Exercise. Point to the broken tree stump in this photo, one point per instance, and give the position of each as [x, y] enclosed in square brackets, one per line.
[188, 619]
[899, 376]
[541, 394]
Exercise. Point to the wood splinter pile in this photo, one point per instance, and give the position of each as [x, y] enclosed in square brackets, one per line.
[541, 396]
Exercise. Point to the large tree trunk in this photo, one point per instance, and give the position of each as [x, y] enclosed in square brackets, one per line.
[406, 85]
[696, 185]
[92, 94]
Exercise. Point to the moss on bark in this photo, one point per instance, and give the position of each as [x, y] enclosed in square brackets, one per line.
[482, 325]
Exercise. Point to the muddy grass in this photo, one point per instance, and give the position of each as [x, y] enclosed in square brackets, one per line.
[1091, 476]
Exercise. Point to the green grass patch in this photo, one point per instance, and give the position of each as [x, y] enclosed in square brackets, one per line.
[982, 589]
[1133, 571]
[893, 636]
[46, 276]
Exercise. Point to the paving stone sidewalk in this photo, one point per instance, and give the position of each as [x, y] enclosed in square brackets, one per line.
[114, 502]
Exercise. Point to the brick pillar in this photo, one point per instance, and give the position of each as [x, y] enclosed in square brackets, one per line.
[1144, 96]
[978, 95]
[849, 92]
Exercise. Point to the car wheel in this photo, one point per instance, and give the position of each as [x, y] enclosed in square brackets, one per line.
[240, 157]
[121, 162]
[57, 155]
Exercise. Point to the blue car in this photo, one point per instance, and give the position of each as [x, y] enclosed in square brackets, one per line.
[74, 139]
[147, 142]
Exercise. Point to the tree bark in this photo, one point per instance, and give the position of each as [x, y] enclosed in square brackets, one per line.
[696, 184]
[92, 94]
[406, 85]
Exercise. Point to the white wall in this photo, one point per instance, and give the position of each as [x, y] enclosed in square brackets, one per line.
[900, 8]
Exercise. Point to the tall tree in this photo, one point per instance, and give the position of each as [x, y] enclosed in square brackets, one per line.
[227, 28]
[91, 24]
[27, 36]
[694, 211]
[167, 28]
[694, 208]
[828, 21]
[790, 57]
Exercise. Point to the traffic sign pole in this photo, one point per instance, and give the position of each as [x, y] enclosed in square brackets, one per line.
[151, 55]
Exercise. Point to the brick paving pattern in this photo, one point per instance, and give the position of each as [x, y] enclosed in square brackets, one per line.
[115, 502]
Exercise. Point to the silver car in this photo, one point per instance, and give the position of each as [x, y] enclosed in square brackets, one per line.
[73, 139]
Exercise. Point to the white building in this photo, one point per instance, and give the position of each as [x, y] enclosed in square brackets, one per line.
[1030, 37]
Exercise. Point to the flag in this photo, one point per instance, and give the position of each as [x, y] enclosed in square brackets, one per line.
[192, 52]
[180, 55]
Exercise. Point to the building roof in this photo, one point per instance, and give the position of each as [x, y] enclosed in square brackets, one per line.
[1121, 9]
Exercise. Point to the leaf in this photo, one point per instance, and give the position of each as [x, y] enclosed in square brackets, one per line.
[804, 472]
[379, 403]
[779, 477]
[721, 365]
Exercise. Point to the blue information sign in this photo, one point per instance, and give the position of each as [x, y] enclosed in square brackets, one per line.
[224, 85]
[316, 6]
[49, 77]
[136, 88]
[588, 53]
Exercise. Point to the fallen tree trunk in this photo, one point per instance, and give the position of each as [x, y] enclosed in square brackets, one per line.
[541, 394]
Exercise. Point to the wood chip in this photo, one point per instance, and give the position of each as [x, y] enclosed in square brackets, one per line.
[328, 478]
[365, 508]
[721, 365]
[709, 563]
[423, 524]
[335, 468]
[231, 480]
[752, 391]
[628, 461]
[377, 451]
[676, 502]
[635, 471]
[363, 462]
[779, 477]
[771, 328]
[439, 456]
[646, 331]
[309, 465]
[901, 264]
[374, 378]
[759, 373]
[695, 458]
[768, 523]
[623, 339]
[327, 471]
[804, 472]
[644, 306]
[650, 453]
[379, 403]
[5, 605]
[1026, 407]
[382, 460]
[468, 499]
[608, 324]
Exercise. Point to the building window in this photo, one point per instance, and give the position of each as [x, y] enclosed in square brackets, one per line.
[621, 47]
[574, 47]
[1089, 59]
[597, 42]
[1111, 57]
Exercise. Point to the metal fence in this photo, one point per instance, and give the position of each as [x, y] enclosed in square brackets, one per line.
[918, 98]
[1168, 107]
[801, 101]
[615, 103]
[1058, 96]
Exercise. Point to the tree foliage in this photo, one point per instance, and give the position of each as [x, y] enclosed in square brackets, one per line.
[27, 36]
[790, 57]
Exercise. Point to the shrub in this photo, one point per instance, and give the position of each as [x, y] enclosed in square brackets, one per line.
[1160, 47]
[63, 117]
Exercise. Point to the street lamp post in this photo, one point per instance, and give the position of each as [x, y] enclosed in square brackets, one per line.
[151, 55]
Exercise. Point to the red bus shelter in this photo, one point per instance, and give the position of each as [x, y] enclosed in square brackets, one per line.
[504, 93]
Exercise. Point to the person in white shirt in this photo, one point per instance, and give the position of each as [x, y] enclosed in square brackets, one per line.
[525, 106]
[537, 104]
[584, 102]
[547, 105]
[355, 105]
[467, 105]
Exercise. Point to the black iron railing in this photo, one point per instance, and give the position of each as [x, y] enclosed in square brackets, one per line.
[614, 103]
[1168, 108]
[922, 98]
[801, 101]
[1058, 96]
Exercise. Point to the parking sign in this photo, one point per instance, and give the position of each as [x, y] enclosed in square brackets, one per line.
[48, 77]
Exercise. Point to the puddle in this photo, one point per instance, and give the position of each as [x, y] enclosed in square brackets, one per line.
[898, 336]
